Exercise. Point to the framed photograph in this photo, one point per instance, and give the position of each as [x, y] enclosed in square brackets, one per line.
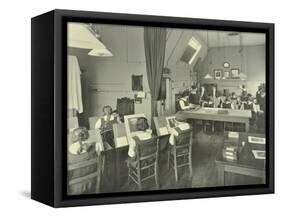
[218, 74]
[93, 143]
[171, 121]
[235, 73]
[226, 75]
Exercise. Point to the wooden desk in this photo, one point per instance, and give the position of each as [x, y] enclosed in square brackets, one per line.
[246, 163]
[231, 115]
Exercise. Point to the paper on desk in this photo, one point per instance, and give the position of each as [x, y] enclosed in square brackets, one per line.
[163, 131]
[121, 141]
[184, 126]
[233, 135]
[258, 154]
[141, 94]
[256, 140]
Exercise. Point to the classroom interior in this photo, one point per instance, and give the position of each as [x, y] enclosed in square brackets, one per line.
[203, 88]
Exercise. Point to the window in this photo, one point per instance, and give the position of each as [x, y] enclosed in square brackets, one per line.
[193, 43]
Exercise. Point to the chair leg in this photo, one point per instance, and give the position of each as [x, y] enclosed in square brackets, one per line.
[139, 179]
[129, 171]
[190, 167]
[156, 175]
[168, 158]
[175, 167]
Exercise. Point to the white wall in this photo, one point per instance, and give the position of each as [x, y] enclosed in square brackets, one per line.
[110, 77]
[15, 98]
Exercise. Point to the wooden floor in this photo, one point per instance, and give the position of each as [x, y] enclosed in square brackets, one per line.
[204, 150]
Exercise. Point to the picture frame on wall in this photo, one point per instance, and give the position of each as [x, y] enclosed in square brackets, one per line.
[83, 156]
[217, 74]
[235, 73]
[226, 75]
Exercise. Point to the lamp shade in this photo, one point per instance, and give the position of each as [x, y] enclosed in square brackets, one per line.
[103, 52]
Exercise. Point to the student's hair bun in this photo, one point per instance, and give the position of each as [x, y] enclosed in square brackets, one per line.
[142, 124]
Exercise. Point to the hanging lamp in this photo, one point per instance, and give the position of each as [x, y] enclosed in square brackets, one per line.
[208, 76]
[242, 70]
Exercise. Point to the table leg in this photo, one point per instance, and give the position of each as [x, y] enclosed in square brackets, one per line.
[247, 125]
[117, 169]
[221, 175]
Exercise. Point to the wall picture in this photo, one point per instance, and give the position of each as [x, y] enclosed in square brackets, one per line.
[235, 73]
[217, 74]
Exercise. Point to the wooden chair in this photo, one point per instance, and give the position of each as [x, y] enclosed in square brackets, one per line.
[84, 170]
[92, 122]
[125, 106]
[146, 164]
[179, 154]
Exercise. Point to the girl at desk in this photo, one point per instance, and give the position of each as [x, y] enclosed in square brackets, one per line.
[227, 103]
[143, 133]
[105, 125]
[249, 104]
[194, 97]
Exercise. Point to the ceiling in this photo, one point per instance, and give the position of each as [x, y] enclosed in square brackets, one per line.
[222, 38]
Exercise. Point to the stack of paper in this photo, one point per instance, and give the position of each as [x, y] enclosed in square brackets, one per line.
[229, 152]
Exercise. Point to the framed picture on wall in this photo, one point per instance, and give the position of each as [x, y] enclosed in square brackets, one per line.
[119, 156]
[226, 75]
[235, 73]
[218, 74]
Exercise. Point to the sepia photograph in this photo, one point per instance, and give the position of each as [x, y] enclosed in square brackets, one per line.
[154, 108]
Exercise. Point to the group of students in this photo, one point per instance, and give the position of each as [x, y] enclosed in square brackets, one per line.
[143, 130]
[199, 97]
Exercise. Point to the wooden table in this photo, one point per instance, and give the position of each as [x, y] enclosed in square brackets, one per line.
[212, 114]
[246, 163]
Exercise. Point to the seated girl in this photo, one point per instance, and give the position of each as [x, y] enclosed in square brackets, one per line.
[143, 133]
[78, 144]
[208, 103]
[105, 125]
[249, 104]
[194, 97]
[184, 103]
[227, 103]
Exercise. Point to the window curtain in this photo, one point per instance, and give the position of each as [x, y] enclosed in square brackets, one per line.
[154, 46]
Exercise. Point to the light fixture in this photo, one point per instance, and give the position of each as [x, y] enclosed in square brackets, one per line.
[83, 36]
[104, 52]
[208, 76]
[243, 76]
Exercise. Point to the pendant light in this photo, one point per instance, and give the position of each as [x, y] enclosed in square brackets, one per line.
[242, 70]
[208, 76]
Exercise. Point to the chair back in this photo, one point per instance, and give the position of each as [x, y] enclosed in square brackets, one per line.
[92, 122]
[125, 106]
[184, 139]
[84, 174]
[146, 149]
[120, 137]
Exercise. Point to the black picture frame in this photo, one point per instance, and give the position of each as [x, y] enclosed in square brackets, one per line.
[218, 74]
[48, 163]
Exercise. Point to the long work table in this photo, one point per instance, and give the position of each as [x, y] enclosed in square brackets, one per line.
[216, 114]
